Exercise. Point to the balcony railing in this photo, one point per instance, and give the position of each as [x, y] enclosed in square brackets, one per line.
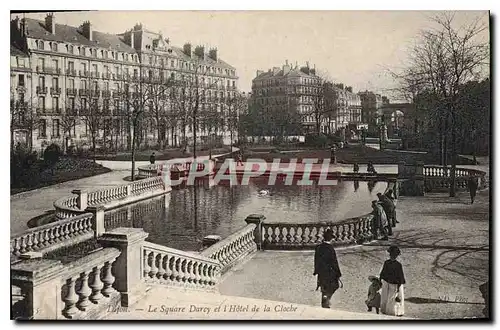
[83, 92]
[55, 90]
[94, 74]
[71, 72]
[106, 75]
[118, 76]
[83, 73]
[41, 90]
[71, 91]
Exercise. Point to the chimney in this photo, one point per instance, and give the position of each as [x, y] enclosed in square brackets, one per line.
[200, 52]
[259, 72]
[286, 67]
[276, 70]
[132, 39]
[187, 49]
[87, 30]
[213, 54]
[50, 23]
[307, 64]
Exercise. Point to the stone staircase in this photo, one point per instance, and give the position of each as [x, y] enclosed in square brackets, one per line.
[162, 303]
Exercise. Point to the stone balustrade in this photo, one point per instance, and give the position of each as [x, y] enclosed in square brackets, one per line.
[290, 236]
[77, 204]
[142, 186]
[106, 195]
[81, 289]
[50, 236]
[438, 178]
[233, 248]
[167, 266]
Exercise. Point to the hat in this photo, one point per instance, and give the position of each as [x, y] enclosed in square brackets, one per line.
[379, 194]
[328, 234]
[394, 249]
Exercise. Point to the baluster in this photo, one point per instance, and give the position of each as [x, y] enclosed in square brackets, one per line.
[280, 235]
[177, 269]
[108, 279]
[289, 236]
[36, 242]
[161, 269]
[66, 231]
[204, 275]
[29, 243]
[147, 268]
[169, 269]
[17, 246]
[22, 245]
[298, 237]
[96, 285]
[266, 235]
[183, 265]
[84, 291]
[154, 268]
[166, 268]
[70, 299]
[189, 271]
[336, 233]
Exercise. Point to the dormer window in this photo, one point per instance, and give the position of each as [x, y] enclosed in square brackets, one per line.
[54, 47]
[40, 45]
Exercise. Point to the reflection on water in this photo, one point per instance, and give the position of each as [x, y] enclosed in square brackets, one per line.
[183, 217]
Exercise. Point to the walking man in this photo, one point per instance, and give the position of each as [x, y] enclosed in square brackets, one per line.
[472, 184]
[327, 268]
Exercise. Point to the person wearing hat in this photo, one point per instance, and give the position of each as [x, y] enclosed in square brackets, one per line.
[373, 294]
[327, 268]
[390, 210]
[393, 280]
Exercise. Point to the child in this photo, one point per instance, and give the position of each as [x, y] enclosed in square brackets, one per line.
[373, 294]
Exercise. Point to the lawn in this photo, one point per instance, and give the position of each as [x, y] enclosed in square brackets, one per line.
[39, 175]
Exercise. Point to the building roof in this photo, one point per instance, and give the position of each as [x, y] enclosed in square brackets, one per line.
[295, 72]
[179, 52]
[14, 51]
[70, 34]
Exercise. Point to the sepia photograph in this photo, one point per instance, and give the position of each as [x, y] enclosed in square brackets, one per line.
[250, 165]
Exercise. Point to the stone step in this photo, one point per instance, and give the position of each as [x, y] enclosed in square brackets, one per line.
[163, 303]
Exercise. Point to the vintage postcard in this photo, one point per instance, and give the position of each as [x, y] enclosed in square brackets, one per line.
[250, 165]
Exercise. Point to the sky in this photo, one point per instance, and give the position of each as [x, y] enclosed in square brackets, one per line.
[356, 48]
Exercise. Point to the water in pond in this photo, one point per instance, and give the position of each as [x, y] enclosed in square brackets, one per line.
[183, 217]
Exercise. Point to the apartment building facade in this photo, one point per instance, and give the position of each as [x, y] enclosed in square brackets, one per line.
[371, 103]
[291, 88]
[72, 71]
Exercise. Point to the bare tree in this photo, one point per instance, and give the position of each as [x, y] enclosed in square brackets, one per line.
[236, 104]
[91, 114]
[443, 60]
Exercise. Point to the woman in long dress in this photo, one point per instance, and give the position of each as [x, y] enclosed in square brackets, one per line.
[393, 280]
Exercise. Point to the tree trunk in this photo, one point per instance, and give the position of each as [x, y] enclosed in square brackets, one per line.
[132, 174]
[453, 156]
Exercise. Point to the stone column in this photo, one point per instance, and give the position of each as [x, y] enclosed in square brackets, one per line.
[419, 179]
[401, 169]
[40, 285]
[98, 224]
[257, 219]
[128, 266]
[82, 200]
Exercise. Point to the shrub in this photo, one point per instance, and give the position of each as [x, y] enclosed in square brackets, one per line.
[318, 141]
[52, 154]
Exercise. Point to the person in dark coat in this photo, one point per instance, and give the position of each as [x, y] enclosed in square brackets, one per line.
[327, 268]
[356, 168]
[370, 168]
[392, 196]
[472, 184]
[393, 280]
[389, 208]
[152, 158]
